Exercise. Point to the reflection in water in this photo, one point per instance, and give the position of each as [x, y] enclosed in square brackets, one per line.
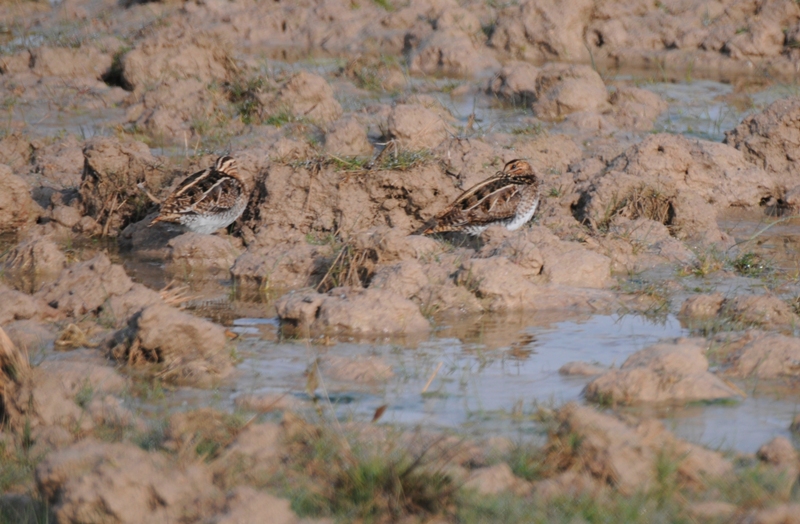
[495, 376]
[488, 367]
[777, 240]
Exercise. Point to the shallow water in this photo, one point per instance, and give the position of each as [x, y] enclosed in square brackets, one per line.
[776, 239]
[496, 373]
[499, 372]
[491, 381]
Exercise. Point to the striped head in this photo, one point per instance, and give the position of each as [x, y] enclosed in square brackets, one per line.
[227, 164]
[519, 172]
[519, 169]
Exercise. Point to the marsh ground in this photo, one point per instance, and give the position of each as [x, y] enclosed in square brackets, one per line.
[631, 355]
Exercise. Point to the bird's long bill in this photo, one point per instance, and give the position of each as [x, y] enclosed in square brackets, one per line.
[427, 227]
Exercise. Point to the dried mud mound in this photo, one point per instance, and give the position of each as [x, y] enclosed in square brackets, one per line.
[84, 287]
[760, 354]
[444, 37]
[176, 52]
[771, 140]
[94, 481]
[66, 62]
[308, 199]
[352, 311]
[679, 182]
[664, 373]
[187, 349]
[708, 35]
[112, 170]
[438, 37]
[578, 94]
[624, 456]
[176, 74]
[17, 208]
[767, 311]
[306, 95]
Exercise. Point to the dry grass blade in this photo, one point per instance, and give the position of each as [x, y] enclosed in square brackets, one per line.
[763, 230]
[433, 376]
[312, 379]
[14, 369]
[13, 363]
[379, 412]
[641, 202]
[351, 267]
[175, 295]
[649, 203]
[73, 337]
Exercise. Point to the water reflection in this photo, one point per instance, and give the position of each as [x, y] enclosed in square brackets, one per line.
[490, 367]
[492, 376]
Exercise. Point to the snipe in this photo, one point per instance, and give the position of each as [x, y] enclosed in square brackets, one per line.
[208, 200]
[509, 198]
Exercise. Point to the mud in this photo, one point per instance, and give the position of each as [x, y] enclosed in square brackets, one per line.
[646, 318]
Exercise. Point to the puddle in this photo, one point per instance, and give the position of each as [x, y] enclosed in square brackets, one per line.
[488, 388]
[775, 239]
[495, 372]
[707, 109]
[744, 427]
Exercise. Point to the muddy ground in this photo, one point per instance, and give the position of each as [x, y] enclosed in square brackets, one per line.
[630, 353]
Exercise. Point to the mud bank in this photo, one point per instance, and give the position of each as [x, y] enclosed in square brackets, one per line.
[306, 361]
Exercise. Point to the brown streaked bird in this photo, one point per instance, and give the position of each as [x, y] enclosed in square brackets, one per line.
[207, 200]
[509, 198]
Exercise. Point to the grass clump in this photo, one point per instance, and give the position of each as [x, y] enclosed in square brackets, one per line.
[17, 465]
[794, 303]
[206, 431]
[374, 485]
[391, 158]
[526, 461]
[612, 509]
[244, 95]
[656, 296]
[84, 395]
[349, 164]
[280, 118]
[403, 160]
[756, 486]
[350, 265]
[530, 130]
[703, 265]
[386, 5]
[750, 265]
[640, 202]
[212, 129]
[23, 509]
[329, 476]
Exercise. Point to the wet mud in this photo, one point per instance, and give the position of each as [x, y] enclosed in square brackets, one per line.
[632, 350]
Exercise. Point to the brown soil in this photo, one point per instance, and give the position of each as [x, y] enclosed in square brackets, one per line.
[108, 106]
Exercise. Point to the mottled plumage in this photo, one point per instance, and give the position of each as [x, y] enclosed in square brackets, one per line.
[509, 198]
[207, 200]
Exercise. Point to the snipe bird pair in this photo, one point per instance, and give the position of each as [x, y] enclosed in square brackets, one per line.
[214, 198]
